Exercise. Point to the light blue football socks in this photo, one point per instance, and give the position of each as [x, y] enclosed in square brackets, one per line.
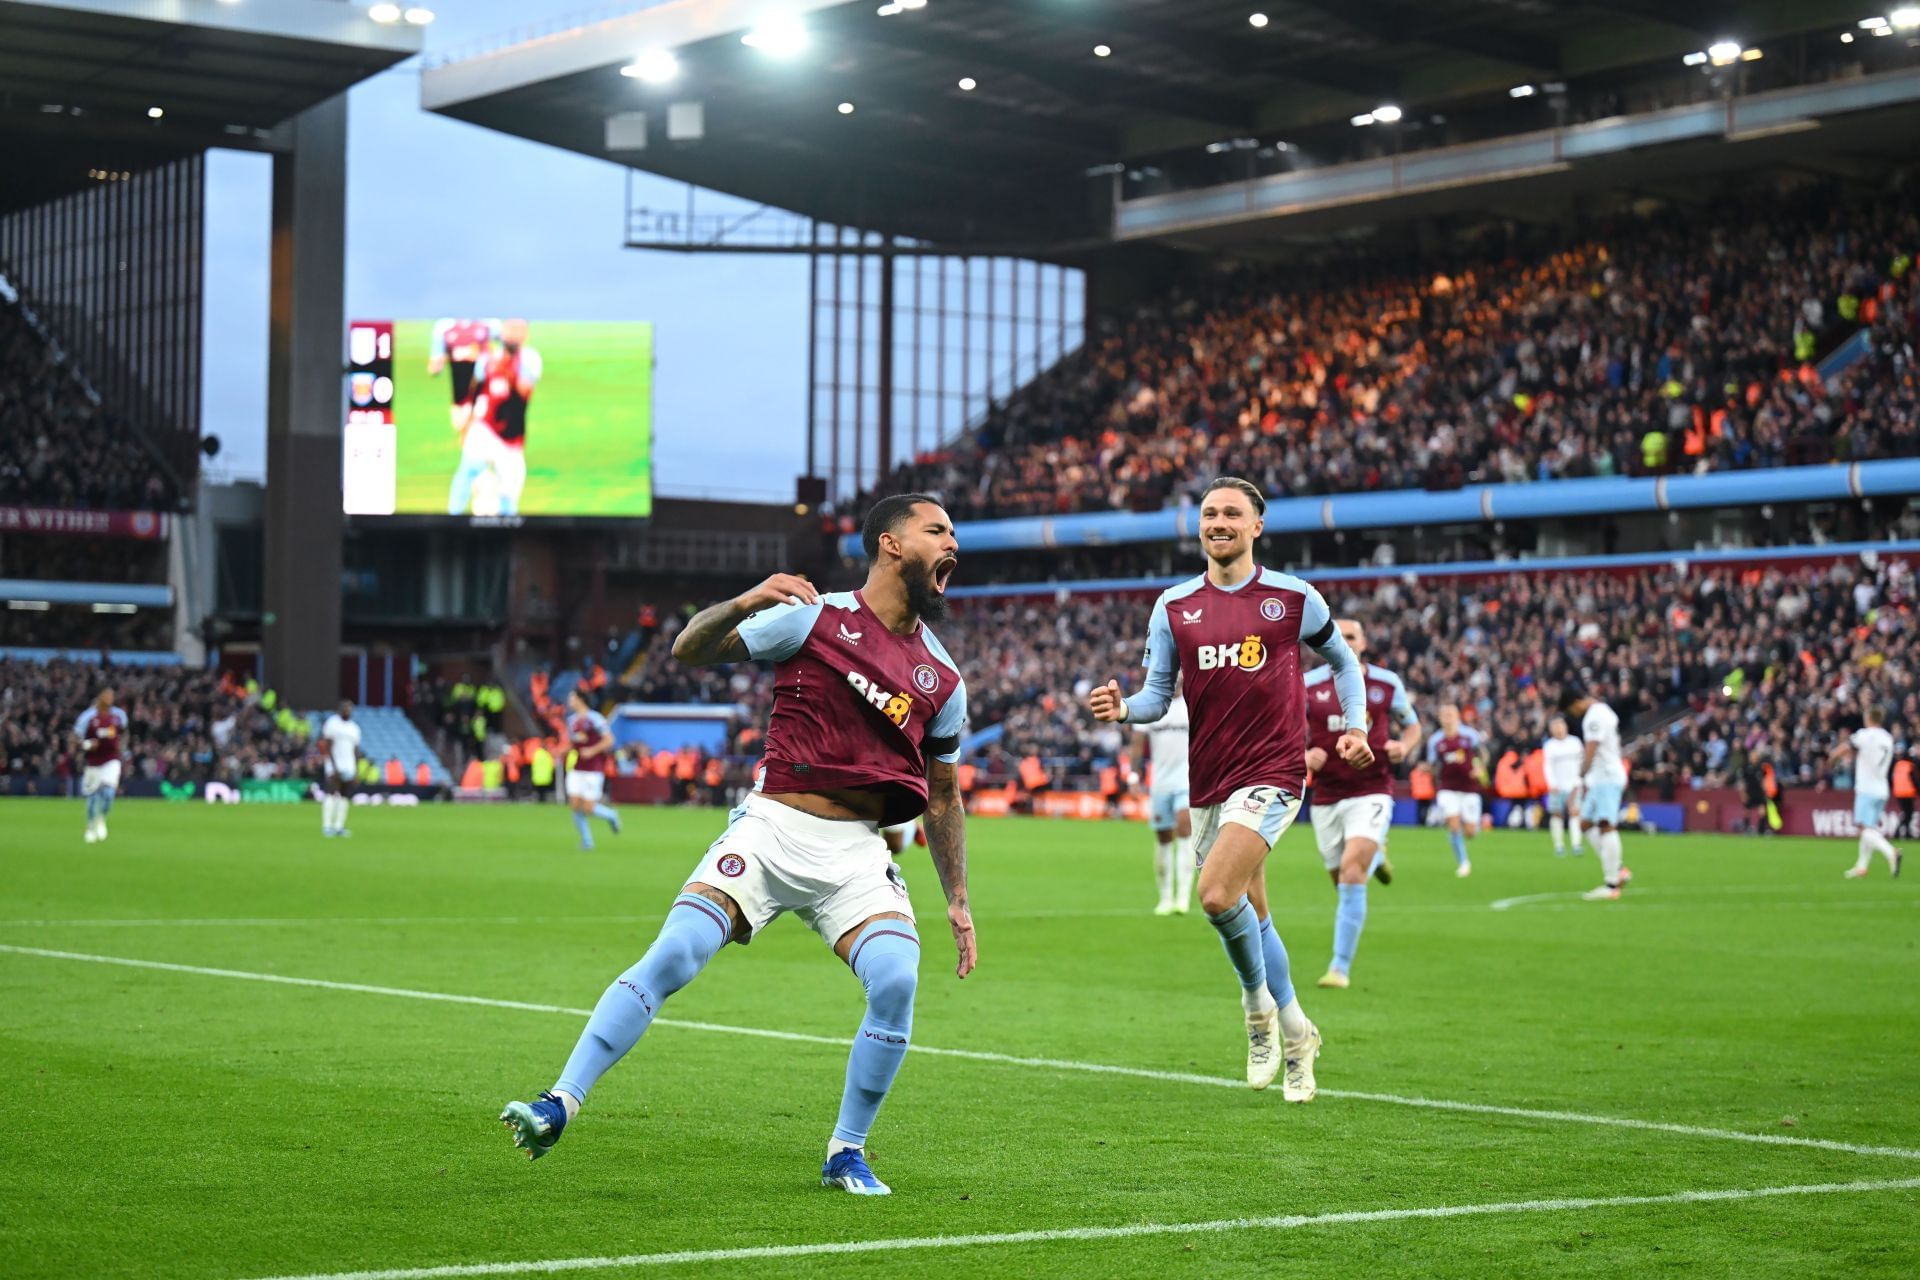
[694, 932]
[886, 959]
[1348, 920]
[1459, 842]
[1240, 934]
[1279, 968]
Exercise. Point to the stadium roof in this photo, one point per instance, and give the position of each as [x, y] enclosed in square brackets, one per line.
[1006, 160]
[78, 79]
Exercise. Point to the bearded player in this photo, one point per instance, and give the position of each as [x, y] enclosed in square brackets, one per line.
[1232, 635]
[592, 743]
[493, 436]
[101, 732]
[865, 733]
[1352, 808]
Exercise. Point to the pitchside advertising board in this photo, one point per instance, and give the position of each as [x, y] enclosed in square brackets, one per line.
[495, 421]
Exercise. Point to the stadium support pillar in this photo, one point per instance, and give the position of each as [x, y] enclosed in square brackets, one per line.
[300, 626]
[884, 460]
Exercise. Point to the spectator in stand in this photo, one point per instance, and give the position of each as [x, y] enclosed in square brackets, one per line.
[183, 725]
[58, 447]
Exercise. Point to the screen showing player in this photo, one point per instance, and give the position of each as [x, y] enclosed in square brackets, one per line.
[500, 418]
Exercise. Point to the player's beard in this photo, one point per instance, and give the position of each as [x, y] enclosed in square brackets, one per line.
[923, 597]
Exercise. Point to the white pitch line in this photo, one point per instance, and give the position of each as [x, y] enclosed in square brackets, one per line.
[1278, 1222]
[1001, 1059]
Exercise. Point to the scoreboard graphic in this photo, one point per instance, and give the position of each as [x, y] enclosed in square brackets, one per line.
[371, 444]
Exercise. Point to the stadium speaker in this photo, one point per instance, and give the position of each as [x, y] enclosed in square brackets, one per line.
[210, 445]
[810, 491]
[686, 122]
[627, 131]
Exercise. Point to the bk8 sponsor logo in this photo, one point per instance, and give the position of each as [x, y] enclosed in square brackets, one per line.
[1248, 655]
[896, 707]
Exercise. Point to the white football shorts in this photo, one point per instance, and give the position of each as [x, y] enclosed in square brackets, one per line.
[1265, 810]
[96, 776]
[1355, 818]
[585, 784]
[1464, 805]
[834, 875]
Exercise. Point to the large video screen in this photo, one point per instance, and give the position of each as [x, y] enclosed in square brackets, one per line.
[499, 419]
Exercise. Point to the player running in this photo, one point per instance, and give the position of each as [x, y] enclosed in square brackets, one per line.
[1871, 747]
[1461, 754]
[101, 732]
[1352, 808]
[1167, 814]
[592, 759]
[459, 345]
[1603, 775]
[1233, 636]
[1564, 755]
[865, 732]
[340, 762]
[493, 437]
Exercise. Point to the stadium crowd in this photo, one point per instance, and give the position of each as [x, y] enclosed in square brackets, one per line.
[1713, 671]
[1659, 344]
[58, 448]
[183, 725]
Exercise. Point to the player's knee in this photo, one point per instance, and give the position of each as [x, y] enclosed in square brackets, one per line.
[891, 982]
[1217, 899]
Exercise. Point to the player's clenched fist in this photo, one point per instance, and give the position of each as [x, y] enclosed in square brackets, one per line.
[1105, 702]
[781, 588]
[1353, 749]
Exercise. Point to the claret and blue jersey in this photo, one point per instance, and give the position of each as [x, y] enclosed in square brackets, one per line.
[1237, 648]
[856, 706]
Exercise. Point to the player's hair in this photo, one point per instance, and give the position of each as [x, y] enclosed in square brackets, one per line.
[1570, 697]
[1876, 715]
[1246, 488]
[885, 516]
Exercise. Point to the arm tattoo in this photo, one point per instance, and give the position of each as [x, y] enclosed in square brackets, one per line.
[712, 636]
[946, 823]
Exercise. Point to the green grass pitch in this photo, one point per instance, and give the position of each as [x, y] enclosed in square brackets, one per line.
[589, 426]
[170, 1122]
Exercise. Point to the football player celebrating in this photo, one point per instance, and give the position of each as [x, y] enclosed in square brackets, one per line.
[1232, 636]
[865, 733]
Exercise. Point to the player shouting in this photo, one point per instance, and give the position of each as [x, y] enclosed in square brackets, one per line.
[101, 731]
[1232, 635]
[1352, 807]
[865, 732]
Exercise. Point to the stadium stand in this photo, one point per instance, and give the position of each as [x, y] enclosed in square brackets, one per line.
[1675, 342]
[185, 725]
[386, 734]
[59, 447]
[1711, 667]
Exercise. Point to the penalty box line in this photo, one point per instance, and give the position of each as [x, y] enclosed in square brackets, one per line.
[1003, 1059]
[1279, 1222]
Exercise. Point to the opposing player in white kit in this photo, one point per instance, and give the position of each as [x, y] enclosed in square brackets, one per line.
[1564, 756]
[101, 731]
[1872, 749]
[1603, 778]
[1167, 815]
[340, 739]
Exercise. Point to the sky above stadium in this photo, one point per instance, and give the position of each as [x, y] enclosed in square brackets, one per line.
[444, 218]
